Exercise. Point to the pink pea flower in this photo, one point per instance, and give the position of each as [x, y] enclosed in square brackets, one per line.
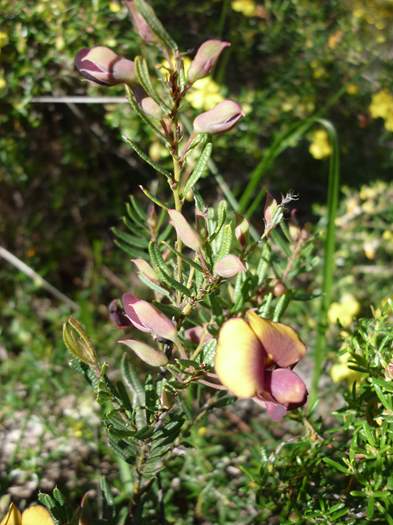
[147, 318]
[103, 66]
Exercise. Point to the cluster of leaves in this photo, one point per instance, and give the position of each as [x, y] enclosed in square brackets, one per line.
[341, 472]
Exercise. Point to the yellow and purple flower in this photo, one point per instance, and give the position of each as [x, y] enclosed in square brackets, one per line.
[254, 359]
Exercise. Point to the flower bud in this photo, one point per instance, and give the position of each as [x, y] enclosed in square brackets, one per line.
[103, 66]
[205, 59]
[146, 353]
[197, 335]
[221, 118]
[229, 266]
[139, 23]
[281, 343]
[146, 318]
[241, 232]
[145, 269]
[117, 315]
[187, 235]
[151, 108]
[286, 387]
[240, 359]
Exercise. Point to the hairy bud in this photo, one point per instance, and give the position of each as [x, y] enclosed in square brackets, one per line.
[103, 66]
[221, 118]
[205, 59]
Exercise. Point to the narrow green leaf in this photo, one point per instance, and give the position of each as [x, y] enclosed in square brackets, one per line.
[153, 286]
[199, 169]
[335, 465]
[154, 23]
[161, 268]
[143, 156]
[135, 218]
[143, 75]
[138, 209]
[132, 382]
[225, 242]
[132, 240]
[209, 352]
[132, 252]
[186, 259]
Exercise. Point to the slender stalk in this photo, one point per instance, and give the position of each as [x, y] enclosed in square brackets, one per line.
[328, 262]
[38, 280]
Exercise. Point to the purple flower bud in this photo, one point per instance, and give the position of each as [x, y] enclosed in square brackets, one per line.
[145, 269]
[219, 119]
[139, 23]
[197, 335]
[205, 59]
[149, 355]
[151, 108]
[146, 318]
[241, 232]
[103, 66]
[184, 231]
[286, 387]
[117, 315]
[229, 266]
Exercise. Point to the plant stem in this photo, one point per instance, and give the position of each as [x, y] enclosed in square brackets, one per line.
[328, 262]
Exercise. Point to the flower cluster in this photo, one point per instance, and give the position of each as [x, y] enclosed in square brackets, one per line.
[320, 146]
[254, 359]
[382, 106]
[103, 66]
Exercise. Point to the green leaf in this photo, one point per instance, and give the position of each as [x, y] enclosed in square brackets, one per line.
[154, 23]
[143, 75]
[199, 169]
[335, 465]
[208, 352]
[132, 382]
[153, 286]
[132, 252]
[162, 270]
[141, 223]
[225, 242]
[132, 240]
[144, 157]
[138, 209]
[78, 343]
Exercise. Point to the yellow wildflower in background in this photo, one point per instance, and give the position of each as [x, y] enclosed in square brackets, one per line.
[3, 39]
[344, 311]
[320, 146]
[245, 7]
[341, 371]
[205, 94]
[115, 7]
[352, 89]
[382, 106]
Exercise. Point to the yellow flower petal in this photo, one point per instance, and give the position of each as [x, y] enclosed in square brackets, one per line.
[37, 515]
[13, 516]
[240, 359]
[281, 343]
